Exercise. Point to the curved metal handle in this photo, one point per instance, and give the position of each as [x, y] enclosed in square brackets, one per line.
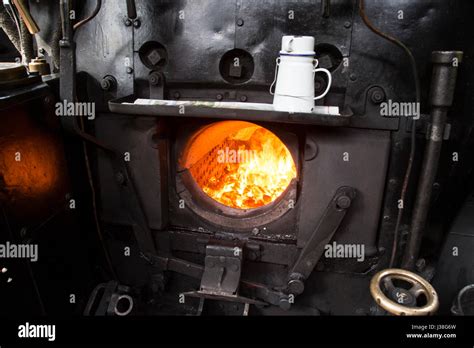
[328, 73]
[276, 74]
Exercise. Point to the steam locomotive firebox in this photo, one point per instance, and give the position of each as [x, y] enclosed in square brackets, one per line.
[238, 174]
[248, 153]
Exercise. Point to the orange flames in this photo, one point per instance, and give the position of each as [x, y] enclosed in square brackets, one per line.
[256, 168]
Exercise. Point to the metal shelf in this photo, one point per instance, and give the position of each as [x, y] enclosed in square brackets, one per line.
[323, 116]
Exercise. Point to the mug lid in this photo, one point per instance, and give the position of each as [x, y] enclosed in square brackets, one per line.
[297, 45]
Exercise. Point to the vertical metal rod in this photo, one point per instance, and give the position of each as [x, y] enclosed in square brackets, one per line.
[67, 62]
[445, 66]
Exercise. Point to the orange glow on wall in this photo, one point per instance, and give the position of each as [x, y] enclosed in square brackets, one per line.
[30, 158]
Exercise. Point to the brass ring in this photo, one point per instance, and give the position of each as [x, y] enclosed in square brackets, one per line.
[419, 285]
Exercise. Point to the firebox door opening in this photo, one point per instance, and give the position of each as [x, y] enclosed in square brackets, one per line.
[239, 169]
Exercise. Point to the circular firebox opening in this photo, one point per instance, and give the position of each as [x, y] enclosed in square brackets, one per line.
[239, 165]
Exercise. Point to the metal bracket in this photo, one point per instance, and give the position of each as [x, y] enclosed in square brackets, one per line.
[221, 276]
[314, 248]
[222, 270]
[222, 280]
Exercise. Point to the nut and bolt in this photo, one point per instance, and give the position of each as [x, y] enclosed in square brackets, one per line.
[108, 83]
[377, 96]
[347, 24]
[240, 22]
[128, 22]
[343, 202]
[296, 286]
[219, 97]
[353, 77]
[137, 23]
[243, 98]
[129, 70]
[177, 95]
[154, 78]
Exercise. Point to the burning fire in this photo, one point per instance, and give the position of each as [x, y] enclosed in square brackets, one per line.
[256, 168]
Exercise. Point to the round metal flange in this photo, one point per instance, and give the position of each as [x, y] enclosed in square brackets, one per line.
[14, 75]
[446, 57]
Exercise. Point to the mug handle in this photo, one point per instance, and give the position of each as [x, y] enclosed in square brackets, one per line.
[328, 73]
[289, 45]
[276, 75]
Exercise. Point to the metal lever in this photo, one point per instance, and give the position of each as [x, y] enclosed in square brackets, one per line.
[260, 291]
[26, 16]
[314, 248]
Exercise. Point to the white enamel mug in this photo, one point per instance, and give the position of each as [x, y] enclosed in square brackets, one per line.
[294, 75]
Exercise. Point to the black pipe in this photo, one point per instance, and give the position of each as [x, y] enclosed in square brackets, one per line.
[443, 82]
[131, 9]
